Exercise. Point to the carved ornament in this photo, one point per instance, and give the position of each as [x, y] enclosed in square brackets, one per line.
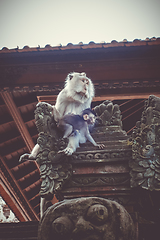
[85, 219]
[145, 163]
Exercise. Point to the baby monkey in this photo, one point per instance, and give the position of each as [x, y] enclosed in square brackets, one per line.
[76, 129]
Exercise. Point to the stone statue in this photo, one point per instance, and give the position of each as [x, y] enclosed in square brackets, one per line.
[145, 162]
[90, 218]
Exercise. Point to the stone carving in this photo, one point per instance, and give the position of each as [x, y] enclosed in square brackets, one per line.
[102, 154]
[96, 181]
[85, 219]
[145, 163]
[108, 114]
[55, 169]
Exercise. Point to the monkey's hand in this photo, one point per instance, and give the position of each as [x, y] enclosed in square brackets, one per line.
[101, 146]
[68, 151]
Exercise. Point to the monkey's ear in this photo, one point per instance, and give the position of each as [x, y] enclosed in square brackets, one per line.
[85, 117]
[70, 76]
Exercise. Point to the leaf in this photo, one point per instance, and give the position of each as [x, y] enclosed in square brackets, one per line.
[151, 184]
[157, 170]
[149, 173]
[141, 181]
[62, 174]
[158, 161]
[139, 176]
[43, 168]
[157, 176]
[53, 175]
[138, 169]
[144, 164]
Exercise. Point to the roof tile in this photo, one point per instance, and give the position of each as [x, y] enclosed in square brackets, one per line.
[136, 42]
[90, 45]
[71, 46]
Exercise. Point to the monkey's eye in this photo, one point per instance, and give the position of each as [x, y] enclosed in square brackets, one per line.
[62, 226]
[97, 214]
[85, 117]
[83, 80]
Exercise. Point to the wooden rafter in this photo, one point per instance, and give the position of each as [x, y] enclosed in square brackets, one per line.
[23, 208]
[13, 199]
[18, 119]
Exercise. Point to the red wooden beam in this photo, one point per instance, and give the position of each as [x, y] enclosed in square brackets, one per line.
[11, 197]
[18, 119]
[6, 96]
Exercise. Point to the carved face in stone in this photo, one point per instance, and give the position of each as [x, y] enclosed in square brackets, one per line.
[86, 219]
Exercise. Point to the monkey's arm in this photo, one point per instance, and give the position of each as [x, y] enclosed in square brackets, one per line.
[90, 138]
[61, 103]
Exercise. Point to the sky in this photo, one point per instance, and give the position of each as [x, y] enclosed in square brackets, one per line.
[40, 22]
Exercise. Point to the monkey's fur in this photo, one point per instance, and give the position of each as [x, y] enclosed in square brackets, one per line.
[76, 96]
[76, 129]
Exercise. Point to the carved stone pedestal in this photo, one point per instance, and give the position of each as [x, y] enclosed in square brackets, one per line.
[89, 172]
[101, 172]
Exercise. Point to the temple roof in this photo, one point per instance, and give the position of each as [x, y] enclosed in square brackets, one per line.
[123, 72]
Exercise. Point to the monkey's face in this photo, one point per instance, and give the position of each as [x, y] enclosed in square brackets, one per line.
[79, 86]
[89, 118]
[82, 84]
[86, 219]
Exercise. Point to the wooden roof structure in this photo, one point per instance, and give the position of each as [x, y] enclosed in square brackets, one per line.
[123, 72]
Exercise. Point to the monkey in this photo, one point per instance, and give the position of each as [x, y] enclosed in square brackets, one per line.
[76, 129]
[71, 122]
[76, 96]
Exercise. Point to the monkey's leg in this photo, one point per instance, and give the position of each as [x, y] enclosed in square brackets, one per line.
[68, 130]
[73, 143]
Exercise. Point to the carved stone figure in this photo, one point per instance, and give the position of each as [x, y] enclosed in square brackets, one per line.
[108, 114]
[54, 168]
[145, 163]
[85, 219]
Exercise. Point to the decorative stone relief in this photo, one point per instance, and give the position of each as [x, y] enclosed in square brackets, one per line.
[108, 113]
[85, 219]
[55, 169]
[145, 163]
[97, 181]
